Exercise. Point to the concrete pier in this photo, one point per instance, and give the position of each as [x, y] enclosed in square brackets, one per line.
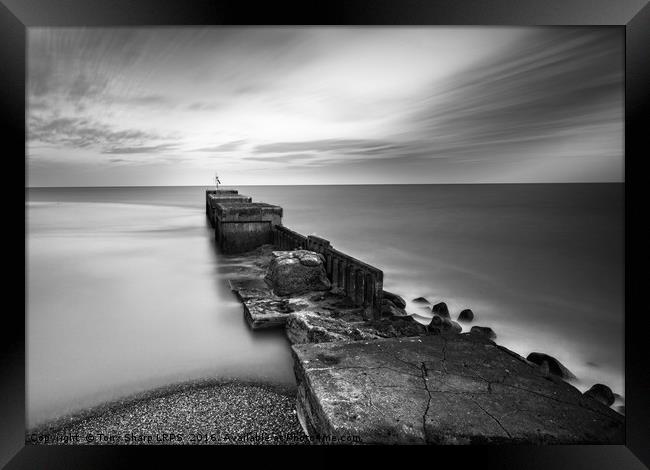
[459, 389]
[244, 226]
[212, 197]
[364, 367]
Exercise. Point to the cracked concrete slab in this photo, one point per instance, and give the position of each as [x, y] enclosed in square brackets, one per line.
[460, 389]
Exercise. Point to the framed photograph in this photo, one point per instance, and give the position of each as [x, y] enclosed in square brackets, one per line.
[368, 224]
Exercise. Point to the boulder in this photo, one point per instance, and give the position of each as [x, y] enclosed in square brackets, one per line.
[446, 325]
[484, 331]
[443, 325]
[294, 272]
[398, 327]
[395, 299]
[441, 309]
[389, 309]
[549, 364]
[466, 316]
[602, 393]
[420, 300]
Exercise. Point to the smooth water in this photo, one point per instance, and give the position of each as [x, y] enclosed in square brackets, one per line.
[124, 292]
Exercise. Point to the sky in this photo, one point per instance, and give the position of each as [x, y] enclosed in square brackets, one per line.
[324, 105]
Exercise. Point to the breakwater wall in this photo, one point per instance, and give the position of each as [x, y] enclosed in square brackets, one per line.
[362, 283]
[242, 225]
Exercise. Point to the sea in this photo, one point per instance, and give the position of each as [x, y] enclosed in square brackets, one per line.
[124, 292]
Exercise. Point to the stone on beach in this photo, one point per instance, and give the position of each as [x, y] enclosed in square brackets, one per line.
[466, 316]
[420, 300]
[398, 301]
[441, 309]
[602, 393]
[550, 365]
[295, 272]
[485, 331]
[451, 326]
[389, 309]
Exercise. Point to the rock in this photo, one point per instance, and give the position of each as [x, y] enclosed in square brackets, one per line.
[485, 331]
[441, 309]
[294, 272]
[453, 326]
[459, 389]
[396, 299]
[466, 316]
[398, 327]
[443, 325]
[549, 363]
[389, 309]
[602, 393]
[621, 409]
[310, 327]
[420, 300]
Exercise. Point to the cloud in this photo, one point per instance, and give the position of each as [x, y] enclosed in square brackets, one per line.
[356, 146]
[439, 104]
[139, 149]
[227, 147]
[202, 106]
[558, 86]
[143, 100]
[302, 158]
[82, 133]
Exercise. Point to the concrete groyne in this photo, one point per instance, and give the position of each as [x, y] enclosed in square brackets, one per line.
[366, 369]
[242, 225]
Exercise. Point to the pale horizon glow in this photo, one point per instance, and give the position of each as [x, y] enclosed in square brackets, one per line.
[324, 105]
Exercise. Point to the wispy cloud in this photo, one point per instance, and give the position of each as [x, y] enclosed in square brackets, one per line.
[226, 147]
[202, 106]
[139, 149]
[83, 133]
[424, 104]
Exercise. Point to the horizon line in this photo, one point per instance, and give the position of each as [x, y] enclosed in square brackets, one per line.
[326, 184]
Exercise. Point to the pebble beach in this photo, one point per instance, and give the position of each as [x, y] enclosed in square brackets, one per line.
[235, 413]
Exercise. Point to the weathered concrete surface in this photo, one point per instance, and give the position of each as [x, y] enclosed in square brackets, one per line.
[458, 389]
[212, 198]
[326, 326]
[295, 272]
[241, 227]
[261, 308]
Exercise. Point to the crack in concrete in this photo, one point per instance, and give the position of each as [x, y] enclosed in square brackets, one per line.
[426, 411]
[491, 416]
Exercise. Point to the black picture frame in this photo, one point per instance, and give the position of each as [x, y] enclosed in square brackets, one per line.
[17, 15]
